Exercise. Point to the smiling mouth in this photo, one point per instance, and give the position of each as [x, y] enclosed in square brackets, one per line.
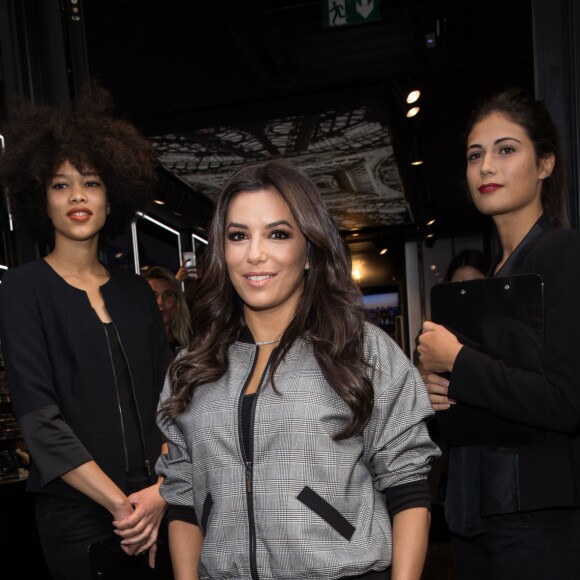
[259, 280]
[79, 215]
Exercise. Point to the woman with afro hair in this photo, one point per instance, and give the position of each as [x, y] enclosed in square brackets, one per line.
[84, 345]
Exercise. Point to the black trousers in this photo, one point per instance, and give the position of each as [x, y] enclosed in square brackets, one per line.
[67, 528]
[534, 553]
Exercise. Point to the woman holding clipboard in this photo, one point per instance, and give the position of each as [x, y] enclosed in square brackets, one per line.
[513, 509]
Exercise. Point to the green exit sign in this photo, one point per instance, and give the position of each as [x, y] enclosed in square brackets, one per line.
[337, 13]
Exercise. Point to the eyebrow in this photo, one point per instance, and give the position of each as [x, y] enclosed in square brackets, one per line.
[496, 142]
[268, 226]
[82, 173]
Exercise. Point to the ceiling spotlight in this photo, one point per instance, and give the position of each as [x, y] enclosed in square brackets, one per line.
[383, 251]
[413, 111]
[413, 96]
[415, 151]
[160, 196]
[431, 222]
[429, 236]
[179, 204]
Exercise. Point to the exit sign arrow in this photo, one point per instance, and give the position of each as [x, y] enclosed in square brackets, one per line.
[338, 13]
[365, 7]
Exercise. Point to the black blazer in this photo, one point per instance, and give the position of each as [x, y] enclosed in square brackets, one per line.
[548, 473]
[60, 375]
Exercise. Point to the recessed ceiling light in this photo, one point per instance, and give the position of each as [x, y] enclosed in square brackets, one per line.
[413, 111]
[413, 96]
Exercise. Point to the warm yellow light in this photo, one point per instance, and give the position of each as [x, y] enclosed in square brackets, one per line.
[383, 251]
[431, 222]
[413, 111]
[418, 162]
[428, 236]
[159, 201]
[413, 96]
[357, 271]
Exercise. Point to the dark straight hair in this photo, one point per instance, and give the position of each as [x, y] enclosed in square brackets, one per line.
[520, 107]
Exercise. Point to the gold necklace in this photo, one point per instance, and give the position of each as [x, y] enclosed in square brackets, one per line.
[265, 342]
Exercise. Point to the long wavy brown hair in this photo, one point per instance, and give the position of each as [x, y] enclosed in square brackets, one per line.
[328, 313]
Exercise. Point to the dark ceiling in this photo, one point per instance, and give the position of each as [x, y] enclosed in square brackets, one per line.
[218, 83]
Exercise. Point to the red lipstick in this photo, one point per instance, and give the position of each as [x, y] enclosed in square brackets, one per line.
[79, 214]
[489, 187]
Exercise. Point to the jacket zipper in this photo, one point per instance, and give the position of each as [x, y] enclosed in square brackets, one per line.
[249, 466]
[144, 448]
[118, 399]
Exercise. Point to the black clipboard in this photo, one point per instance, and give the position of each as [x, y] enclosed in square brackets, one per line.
[504, 318]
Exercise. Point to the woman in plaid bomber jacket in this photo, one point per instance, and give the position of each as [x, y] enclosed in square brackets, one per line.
[296, 431]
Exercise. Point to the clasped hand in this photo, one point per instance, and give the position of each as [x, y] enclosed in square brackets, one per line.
[139, 531]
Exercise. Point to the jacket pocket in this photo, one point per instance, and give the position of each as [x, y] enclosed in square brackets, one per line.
[327, 512]
[499, 481]
[207, 505]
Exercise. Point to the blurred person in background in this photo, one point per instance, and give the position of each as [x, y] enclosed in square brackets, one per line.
[468, 264]
[172, 305]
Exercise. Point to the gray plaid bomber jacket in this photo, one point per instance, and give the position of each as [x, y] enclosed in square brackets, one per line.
[307, 506]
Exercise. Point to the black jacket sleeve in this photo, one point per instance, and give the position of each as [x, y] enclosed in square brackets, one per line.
[549, 399]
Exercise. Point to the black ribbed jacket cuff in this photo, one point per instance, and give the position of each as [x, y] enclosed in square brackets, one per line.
[182, 513]
[408, 495]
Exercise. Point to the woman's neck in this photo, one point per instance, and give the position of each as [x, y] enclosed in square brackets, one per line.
[266, 326]
[78, 258]
[512, 228]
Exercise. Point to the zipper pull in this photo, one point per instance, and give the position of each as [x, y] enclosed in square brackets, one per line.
[248, 481]
[148, 466]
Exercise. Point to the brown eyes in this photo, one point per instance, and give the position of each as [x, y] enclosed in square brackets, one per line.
[274, 234]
